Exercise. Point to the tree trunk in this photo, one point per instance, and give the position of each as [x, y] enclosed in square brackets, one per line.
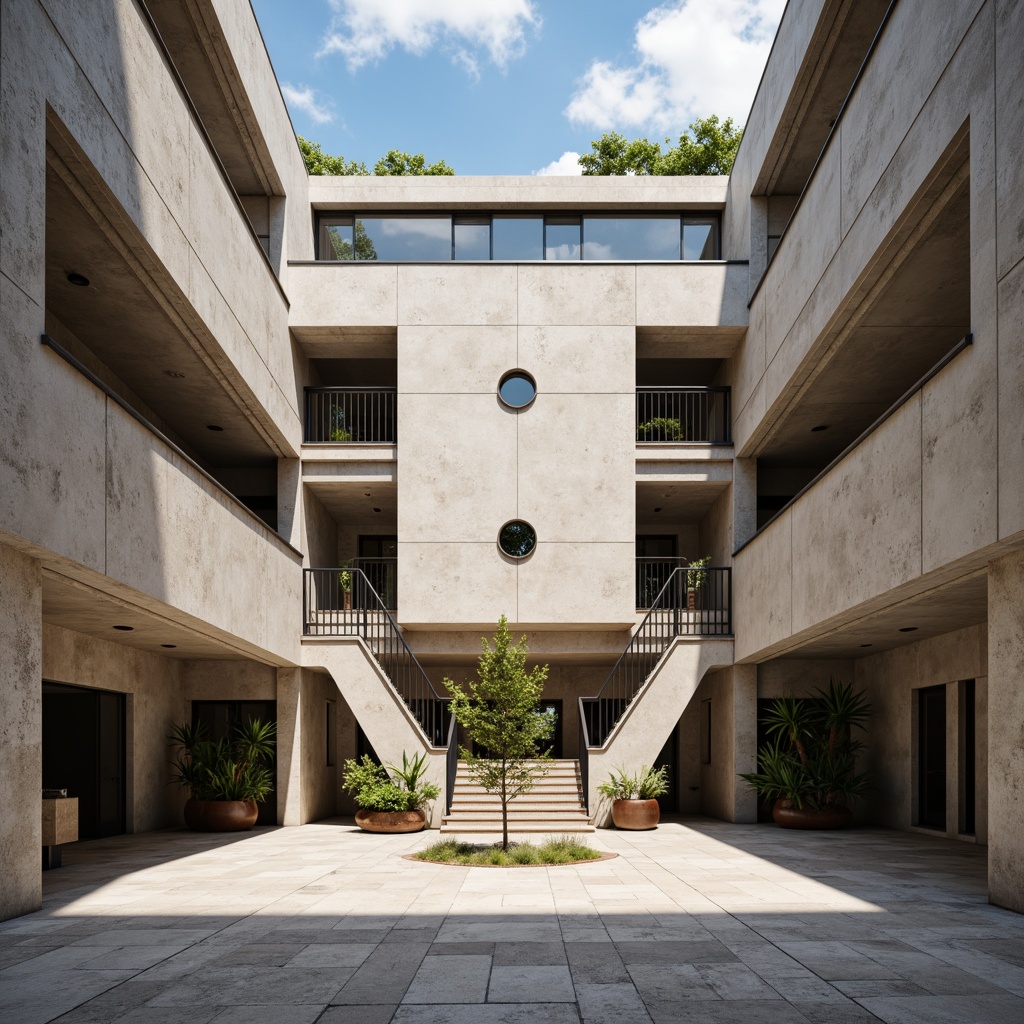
[504, 806]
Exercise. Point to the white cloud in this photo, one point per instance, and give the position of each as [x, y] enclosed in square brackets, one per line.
[696, 57]
[567, 163]
[304, 99]
[363, 31]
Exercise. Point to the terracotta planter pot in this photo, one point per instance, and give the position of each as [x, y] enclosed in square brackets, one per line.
[220, 815]
[635, 814]
[787, 816]
[391, 821]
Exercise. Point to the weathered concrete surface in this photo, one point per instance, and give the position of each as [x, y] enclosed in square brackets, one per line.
[642, 731]
[1006, 731]
[21, 750]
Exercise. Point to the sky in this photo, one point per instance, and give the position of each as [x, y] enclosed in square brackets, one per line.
[511, 86]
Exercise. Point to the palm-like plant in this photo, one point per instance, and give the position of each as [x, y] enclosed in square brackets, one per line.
[811, 758]
[235, 769]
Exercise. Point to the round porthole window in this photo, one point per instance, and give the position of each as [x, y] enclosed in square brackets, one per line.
[517, 389]
[517, 539]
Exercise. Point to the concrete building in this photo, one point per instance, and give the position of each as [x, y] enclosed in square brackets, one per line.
[224, 384]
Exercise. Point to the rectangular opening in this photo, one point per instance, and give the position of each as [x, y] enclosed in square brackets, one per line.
[471, 238]
[631, 238]
[968, 753]
[563, 238]
[931, 754]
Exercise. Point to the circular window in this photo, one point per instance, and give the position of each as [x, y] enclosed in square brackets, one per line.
[517, 539]
[517, 389]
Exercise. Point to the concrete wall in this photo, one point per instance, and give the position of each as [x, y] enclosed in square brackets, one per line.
[155, 705]
[1006, 731]
[891, 680]
[21, 757]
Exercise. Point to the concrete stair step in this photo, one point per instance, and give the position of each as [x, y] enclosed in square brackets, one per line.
[481, 829]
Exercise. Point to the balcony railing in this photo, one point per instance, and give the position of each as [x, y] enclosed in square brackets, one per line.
[683, 416]
[382, 575]
[651, 576]
[350, 415]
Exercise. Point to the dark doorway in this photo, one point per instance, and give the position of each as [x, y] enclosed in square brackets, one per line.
[552, 709]
[223, 717]
[969, 753]
[931, 757]
[668, 758]
[655, 562]
[378, 558]
[84, 753]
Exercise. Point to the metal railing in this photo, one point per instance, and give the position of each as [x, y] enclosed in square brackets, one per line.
[351, 415]
[451, 764]
[584, 754]
[695, 601]
[683, 415]
[342, 602]
[651, 576]
[382, 575]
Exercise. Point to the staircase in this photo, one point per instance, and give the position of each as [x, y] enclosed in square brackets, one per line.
[555, 804]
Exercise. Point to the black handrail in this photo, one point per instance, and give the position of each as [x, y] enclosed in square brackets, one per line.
[651, 576]
[342, 602]
[451, 764]
[690, 415]
[351, 415]
[584, 753]
[383, 576]
[695, 601]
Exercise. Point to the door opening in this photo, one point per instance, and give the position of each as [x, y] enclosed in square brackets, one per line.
[931, 757]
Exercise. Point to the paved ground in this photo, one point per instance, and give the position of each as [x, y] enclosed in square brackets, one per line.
[698, 921]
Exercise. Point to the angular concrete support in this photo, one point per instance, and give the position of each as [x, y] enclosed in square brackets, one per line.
[289, 502]
[1006, 731]
[289, 746]
[650, 718]
[21, 729]
[381, 713]
[744, 501]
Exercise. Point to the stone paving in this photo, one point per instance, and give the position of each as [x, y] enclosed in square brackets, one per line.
[697, 921]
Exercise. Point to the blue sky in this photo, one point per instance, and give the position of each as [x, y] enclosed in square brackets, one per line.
[510, 86]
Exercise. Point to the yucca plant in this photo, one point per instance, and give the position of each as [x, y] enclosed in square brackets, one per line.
[811, 758]
[235, 769]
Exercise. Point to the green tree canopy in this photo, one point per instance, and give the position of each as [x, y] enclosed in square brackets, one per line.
[708, 146]
[499, 710]
[395, 162]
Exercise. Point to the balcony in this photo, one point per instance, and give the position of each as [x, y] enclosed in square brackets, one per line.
[351, 415]
[690, 415]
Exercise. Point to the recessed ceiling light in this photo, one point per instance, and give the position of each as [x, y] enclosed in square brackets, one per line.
[214, 427]
[168, 645]
[908, 629]
[376, 510]
[174, 374]
[366, 494]
[867, 645]
[658, 509]
[125, 629]
[78, 279]
[819, 428]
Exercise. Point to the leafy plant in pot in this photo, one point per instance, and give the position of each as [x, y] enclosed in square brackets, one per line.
[226, 779]
[634, 797]
[394, 802]
[809, 766]
[696, 580]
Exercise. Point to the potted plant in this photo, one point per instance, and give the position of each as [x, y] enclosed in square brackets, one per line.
[696, 578]
[634, 797]
[338, 433]
[345, 583]
[394, 802]
[227, 779]
[661, 428]
[808, 768]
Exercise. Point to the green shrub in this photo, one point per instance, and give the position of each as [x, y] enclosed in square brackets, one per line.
[661, 428]
[646, 784]
[556, 850]
[375, 790]
[235, 769]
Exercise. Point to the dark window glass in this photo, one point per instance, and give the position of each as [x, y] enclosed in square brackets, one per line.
[517, 389]
[472, 239]
[517, 539]
[518, 238]
[404, 239]
[631, 238]
[562, 238]
[700, 238]
[336, 239]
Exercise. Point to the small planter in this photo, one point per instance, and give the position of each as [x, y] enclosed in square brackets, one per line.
[391, 821]
[787, 816]
[636, 815]
[221, 815]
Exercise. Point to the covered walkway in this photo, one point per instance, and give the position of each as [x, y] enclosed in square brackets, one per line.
[697, 921]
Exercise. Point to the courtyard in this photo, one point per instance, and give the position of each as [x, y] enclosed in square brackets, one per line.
[696, 921]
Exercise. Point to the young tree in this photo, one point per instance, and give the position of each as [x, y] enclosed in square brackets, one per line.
[319, 162]
[396, 162]
[499, 711]
[711, 150]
